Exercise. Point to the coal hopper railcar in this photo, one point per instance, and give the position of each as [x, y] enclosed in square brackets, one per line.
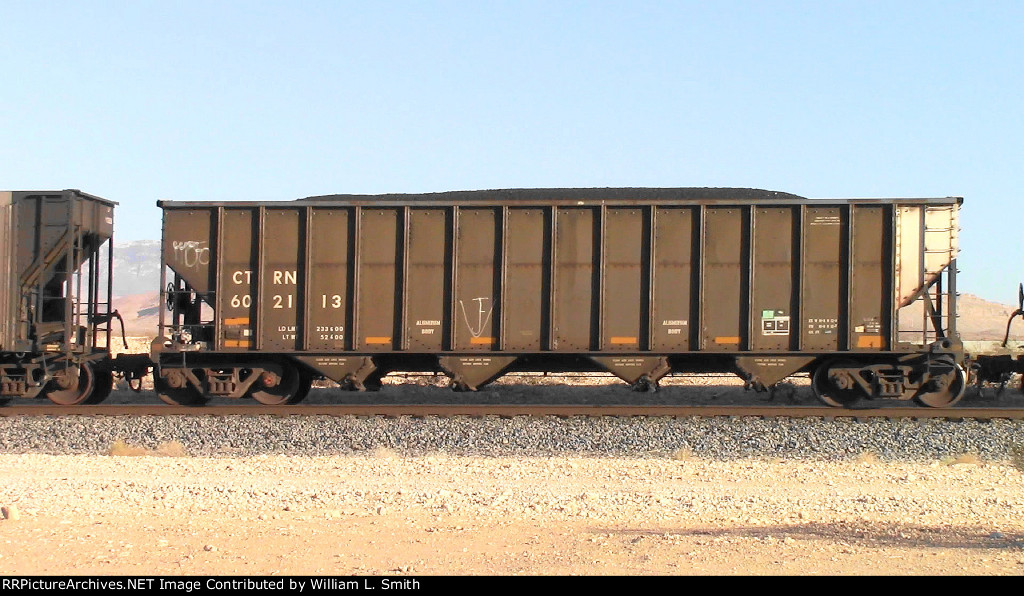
[264, 296]
[55, 307]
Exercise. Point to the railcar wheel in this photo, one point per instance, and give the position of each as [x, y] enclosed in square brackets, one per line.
[951, 388]
[305, 382]
[70, 386]
[186, 395]
[287, 388]
[102, 386]
[831, 388]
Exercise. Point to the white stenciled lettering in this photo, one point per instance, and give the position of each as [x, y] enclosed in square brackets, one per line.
[285, 277]
[244, 301]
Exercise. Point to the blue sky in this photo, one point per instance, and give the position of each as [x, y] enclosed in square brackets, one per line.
[139, 101]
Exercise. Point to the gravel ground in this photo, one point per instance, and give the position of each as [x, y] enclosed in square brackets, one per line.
[264, 495]
[385, 513]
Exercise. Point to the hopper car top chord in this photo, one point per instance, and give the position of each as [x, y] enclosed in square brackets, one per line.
[263, 297]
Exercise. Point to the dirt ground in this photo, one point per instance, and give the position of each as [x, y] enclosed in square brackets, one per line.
[383, 514]
[387, 514]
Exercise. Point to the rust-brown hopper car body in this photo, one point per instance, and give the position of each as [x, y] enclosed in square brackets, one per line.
[54, 305]
[640, 282]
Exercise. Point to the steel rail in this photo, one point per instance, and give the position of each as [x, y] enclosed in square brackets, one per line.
[480, 410]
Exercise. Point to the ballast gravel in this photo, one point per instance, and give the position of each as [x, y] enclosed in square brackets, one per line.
[718, 437]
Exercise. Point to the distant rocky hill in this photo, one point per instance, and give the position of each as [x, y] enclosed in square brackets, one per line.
[981, 319]
[137, 285]
[136, 267]
[141, 313]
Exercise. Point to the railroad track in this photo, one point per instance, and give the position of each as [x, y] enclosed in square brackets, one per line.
[569, 410]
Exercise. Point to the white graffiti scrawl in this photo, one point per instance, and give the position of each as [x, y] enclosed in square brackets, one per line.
[191, 253]
[482, 316]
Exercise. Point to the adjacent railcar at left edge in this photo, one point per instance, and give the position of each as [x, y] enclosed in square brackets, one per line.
[55, 307]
